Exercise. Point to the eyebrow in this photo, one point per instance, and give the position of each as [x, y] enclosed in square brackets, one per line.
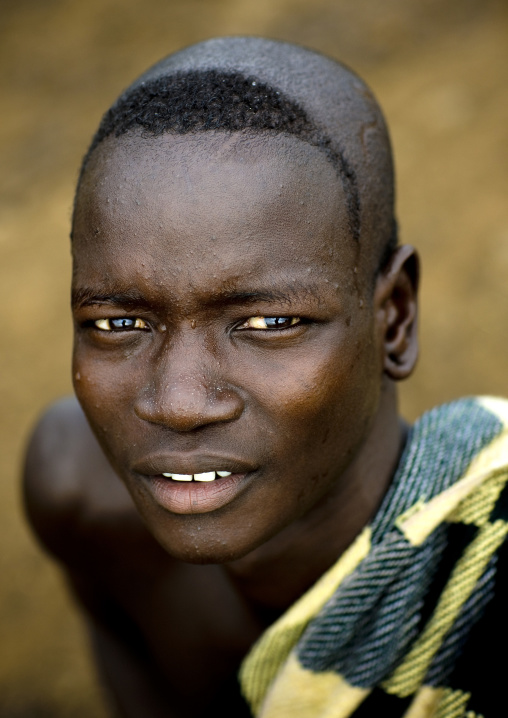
[131, 298]
[284, 296]
[85, 297]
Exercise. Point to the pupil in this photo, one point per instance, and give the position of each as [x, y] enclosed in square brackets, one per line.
[123, 323]
[276, 321]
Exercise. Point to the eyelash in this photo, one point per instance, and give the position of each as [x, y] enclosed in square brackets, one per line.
[128, 324]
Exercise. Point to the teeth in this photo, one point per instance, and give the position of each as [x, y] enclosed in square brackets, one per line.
[207, 476]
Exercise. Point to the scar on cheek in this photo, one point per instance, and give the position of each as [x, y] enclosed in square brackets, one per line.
[77, 376]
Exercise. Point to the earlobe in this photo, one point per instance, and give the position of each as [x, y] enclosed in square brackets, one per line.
[396, 299]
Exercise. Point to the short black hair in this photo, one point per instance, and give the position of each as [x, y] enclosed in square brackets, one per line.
[208, 100]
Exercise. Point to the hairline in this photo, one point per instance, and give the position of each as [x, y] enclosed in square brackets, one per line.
[315, 137]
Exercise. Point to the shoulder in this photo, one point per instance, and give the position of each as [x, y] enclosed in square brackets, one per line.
[63, 464]
[51, 472]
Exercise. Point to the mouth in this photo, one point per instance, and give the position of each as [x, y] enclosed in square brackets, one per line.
[177, 488]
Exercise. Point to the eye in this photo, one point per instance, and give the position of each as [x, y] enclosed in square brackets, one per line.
[270, 322]
[121, 324]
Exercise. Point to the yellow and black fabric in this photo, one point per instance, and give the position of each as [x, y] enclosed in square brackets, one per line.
[406, 623]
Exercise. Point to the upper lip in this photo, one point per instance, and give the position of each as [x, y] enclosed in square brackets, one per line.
[156, 464]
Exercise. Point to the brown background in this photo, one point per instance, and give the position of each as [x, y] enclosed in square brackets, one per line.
[439, 69]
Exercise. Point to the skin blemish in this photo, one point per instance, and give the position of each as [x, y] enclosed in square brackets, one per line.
[367, 128]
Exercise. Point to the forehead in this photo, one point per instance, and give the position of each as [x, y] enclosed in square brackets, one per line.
[234, 199]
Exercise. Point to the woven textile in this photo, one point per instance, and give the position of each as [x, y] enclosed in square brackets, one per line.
[402, 624]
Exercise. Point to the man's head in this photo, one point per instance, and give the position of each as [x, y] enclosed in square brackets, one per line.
[238, 303]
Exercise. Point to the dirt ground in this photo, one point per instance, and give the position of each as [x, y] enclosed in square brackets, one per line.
[440, 71]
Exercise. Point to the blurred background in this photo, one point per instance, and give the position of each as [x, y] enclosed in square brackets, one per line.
[440, 71]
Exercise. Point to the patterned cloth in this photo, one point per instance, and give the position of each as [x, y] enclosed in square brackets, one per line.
[404, 624]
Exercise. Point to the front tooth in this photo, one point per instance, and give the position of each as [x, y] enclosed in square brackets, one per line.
[223, 474]
[181, 477]
[206, 476]
[168, 476]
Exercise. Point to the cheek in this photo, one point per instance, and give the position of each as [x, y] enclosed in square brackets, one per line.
[107, 375]
[104, 390]
[322, 402]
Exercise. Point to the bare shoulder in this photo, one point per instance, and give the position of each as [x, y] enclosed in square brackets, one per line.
[66, 476]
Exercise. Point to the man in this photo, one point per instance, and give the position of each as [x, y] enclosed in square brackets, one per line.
[242, 315]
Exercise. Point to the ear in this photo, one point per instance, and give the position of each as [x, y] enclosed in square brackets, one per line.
[395, 299]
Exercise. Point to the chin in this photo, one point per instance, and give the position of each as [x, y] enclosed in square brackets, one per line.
[197, 543]
[202, 553]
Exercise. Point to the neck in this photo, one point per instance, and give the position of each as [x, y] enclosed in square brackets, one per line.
[277, 573]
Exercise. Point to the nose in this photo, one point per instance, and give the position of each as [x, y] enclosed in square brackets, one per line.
[185, 390]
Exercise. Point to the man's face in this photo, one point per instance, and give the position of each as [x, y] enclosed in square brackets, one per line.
[221, 326]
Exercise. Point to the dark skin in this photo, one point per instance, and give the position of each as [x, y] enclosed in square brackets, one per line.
[215, 333]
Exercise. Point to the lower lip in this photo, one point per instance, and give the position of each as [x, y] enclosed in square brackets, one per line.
[195, 497]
